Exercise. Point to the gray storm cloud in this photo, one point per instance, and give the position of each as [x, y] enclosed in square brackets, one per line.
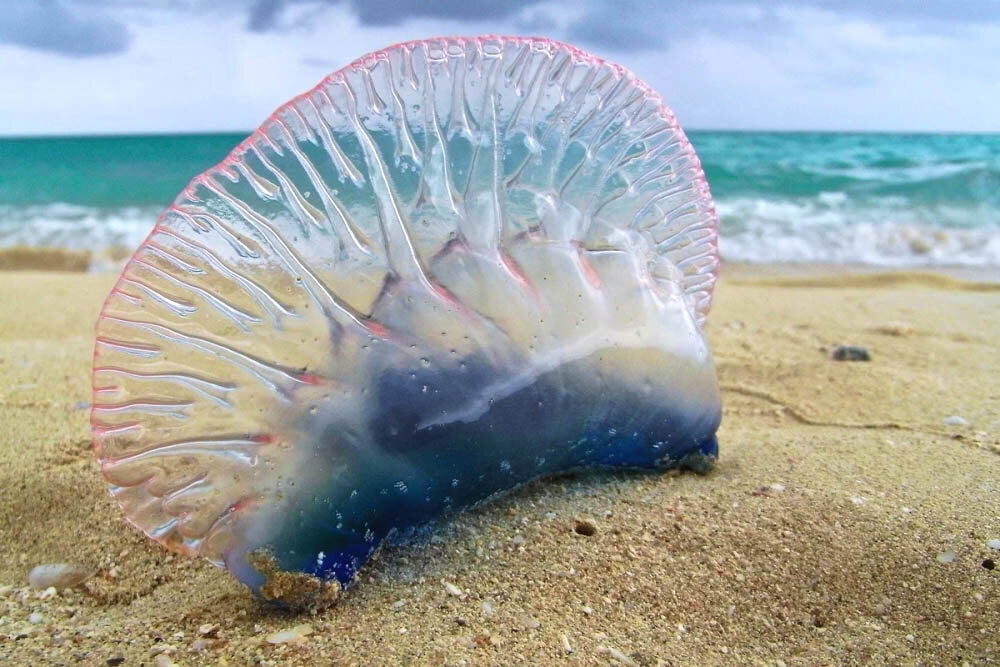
[64, 28]
[84, 28]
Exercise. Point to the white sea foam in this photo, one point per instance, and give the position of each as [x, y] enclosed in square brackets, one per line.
[830, 228]
[61, 225]
[833, 228]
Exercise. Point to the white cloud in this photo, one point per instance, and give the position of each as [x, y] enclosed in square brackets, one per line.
[724, 65]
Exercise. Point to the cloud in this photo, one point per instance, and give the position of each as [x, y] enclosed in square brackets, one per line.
[49, 25]
[960, 11]
[267, 15]
[394, 12]
[627, 26]
[264, 14]
[189, 65]
[97, 27]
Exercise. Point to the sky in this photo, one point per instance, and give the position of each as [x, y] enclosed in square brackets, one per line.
[131, 66]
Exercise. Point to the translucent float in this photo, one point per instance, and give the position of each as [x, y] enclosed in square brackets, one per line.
[452, 267]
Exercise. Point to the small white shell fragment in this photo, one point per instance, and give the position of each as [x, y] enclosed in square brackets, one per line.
[208, 629]
[452, 589]
[618, 655]
[59, 575]
[528, 622]
[292, 635]
[955, 420]
[567, 647]
[199, 645]
[946, 557]
[993, 544]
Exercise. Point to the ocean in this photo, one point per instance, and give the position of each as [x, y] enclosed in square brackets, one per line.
[879, 199]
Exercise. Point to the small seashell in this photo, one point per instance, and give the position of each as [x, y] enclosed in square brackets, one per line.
[200, 644]
[617, 655]
[955, 420]
[162, 648]
[59, 575]
[208, 630]
[291, 636]
[452, 589]
[528, 622]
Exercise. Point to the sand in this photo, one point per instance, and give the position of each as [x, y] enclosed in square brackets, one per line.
[845, 522]
[21, 258]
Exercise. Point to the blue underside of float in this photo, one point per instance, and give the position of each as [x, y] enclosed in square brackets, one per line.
[402, 475]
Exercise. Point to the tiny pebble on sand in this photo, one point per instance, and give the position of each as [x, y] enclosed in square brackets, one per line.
[58, 575]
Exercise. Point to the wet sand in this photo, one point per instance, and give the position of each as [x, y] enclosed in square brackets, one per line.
[845, 523]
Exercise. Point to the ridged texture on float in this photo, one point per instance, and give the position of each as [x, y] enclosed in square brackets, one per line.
[248, 292]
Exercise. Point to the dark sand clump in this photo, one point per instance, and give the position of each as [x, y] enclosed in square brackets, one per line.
[26, 258]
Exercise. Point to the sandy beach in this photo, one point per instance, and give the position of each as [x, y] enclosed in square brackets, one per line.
[845, 523]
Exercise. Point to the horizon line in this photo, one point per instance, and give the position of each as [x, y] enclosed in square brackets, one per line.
[734, 130]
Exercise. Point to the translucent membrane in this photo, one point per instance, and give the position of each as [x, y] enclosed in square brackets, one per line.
[453, 266]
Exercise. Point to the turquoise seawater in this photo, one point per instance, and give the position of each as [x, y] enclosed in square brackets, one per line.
[890, 199]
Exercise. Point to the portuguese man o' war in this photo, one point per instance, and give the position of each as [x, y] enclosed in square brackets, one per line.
[452, 267]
